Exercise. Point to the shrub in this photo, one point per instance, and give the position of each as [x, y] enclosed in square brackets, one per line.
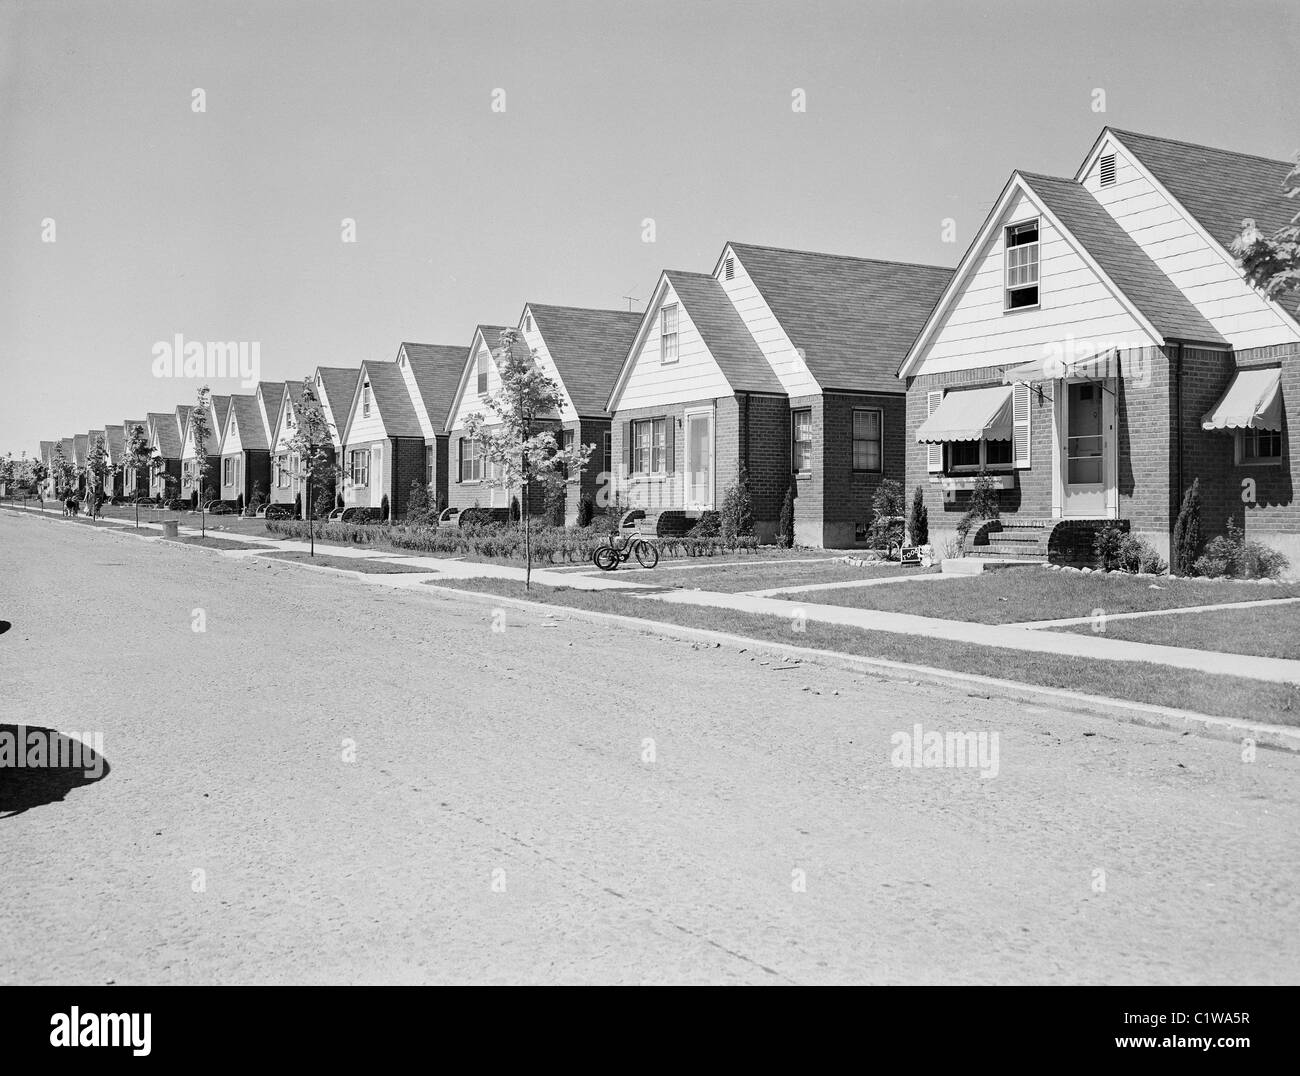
[983, 505]
[418, 509]
[383, 507]
[239, 504]
[553, 499]
[886, 530]
[515, 513]
[1186, 543]
[785, 526]
[1106, 546]
[737, 516]
[1233, 555]
[297, 506]
[918, 524]
[709, 525]
[586, 510]
[1138, 555]
[194, 499]
[324, 502]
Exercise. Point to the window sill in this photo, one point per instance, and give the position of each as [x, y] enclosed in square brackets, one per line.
[1259, 463]
[1021, 309]
[1002, 480]
[877, 471]
[801, 476]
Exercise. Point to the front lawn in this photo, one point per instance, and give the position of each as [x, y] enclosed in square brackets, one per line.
[737, 577]
[1270, 632]
[1206, 693]
[1016, 595]
[351, 564]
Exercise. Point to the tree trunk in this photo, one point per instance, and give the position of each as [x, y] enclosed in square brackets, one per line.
[311, 522]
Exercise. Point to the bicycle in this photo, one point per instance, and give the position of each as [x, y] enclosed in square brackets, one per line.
[618, 549]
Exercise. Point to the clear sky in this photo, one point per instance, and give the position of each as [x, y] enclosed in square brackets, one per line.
[226, 224]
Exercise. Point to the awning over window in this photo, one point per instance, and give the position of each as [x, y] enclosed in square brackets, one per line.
[1253, 402]
[970, 415]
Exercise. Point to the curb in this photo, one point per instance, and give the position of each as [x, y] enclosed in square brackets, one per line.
[1230, 730]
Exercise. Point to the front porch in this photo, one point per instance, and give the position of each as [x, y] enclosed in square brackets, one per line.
[1039, 540]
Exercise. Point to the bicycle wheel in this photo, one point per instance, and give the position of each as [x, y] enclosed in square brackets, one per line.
[646, 554]
[605, 558]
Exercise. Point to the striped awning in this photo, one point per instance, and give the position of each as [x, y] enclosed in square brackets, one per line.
[1099, 365]
[1253, 402]
[970, 415]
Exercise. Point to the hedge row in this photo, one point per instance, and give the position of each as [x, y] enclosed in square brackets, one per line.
[551, 545]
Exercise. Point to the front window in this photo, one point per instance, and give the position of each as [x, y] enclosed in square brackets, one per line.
[648, 446]
[471, 460]
[365, 400]
[281, 473]
[801, 442]
[1259, 446]
[607, 454]
[668, 333]
[359, 466]
[978, 455]
[1022, 265]
[868, 439]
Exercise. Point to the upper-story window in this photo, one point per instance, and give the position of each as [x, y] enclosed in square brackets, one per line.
[1022, 265]
[482, 370]
[668, 333]
[365, 400]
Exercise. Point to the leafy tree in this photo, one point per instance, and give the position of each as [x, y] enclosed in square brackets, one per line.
[586, 510]
[37, 473]
[97, 471]
[737, 509]
[65, 473]
[983, 505]
[309, 448]
[1272, 262]
[520, 453]
[201, 429]
[918, 523]
[135, 458]
[7, 473]
[1187, 540]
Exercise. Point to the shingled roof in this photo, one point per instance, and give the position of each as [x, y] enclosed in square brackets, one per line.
[388, 390]
[1216, 186]
[69, 448]
[588, 348]
[116, 438]
[272, 393]
[1126, 263]
[724, 333]
[80, 447]
[339, 383]
[437, 369]
[853, 318]
[252, 434]
[163, 428]
[182, 423]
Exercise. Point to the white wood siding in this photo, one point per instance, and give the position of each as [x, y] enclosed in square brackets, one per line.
[470, 401]
[763, 326]
[694, 376]
[285, 432]
[232, 442]
[363, 427]
[1211, 282]
[535, 341]
[417, 400]
[1074, 306]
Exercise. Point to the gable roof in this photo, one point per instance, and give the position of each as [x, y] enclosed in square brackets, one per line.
[588, 348]
[244, 410]
[388, 391]
[68, 444]
[437, 369]
[721, 328]
[128, 424]
[1128, 266]
[489, 333]
[92, 436]
[218, 412]
[79, 447]
[852, 318]
[1217, 187]
[47, 450]
[338, 383]
[115, 436]
[289, 400]
[182, 424]
[162, 428]
[272, 394]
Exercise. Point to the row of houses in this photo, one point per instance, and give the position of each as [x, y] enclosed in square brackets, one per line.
[1095, 350]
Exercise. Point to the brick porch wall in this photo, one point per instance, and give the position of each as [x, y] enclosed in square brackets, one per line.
[846, 493]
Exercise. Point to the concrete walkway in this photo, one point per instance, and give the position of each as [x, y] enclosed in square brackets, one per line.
[1078, 620]
[849, 584]
[1009, 636]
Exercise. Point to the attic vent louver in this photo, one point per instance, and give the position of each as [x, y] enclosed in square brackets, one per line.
[1107, 170]
[729, 269]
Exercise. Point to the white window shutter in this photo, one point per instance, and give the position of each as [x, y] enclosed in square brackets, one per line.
[933, 453]
[1020, 419]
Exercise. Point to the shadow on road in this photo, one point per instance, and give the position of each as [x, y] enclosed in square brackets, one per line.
[52, 765]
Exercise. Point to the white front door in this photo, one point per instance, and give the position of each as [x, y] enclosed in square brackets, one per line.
[1085, 447]
[698, 465]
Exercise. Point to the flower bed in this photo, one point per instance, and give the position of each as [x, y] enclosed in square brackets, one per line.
[550, 545]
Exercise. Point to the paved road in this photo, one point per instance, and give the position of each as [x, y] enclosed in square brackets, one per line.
[516, 757]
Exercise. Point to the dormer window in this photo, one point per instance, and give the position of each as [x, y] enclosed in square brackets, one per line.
[1022, 265]
[1106, 170]
[365, 400]
[482, 363]
[668, 334]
